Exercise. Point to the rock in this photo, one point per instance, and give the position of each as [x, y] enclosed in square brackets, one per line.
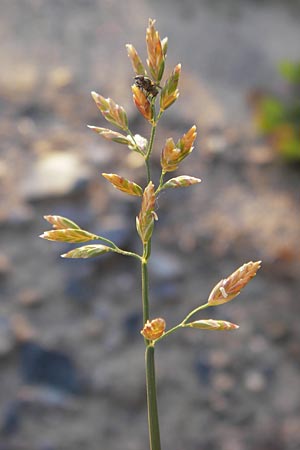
[55, 174]
[39, 365]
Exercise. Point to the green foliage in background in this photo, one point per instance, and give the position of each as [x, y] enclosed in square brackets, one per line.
[279, 118]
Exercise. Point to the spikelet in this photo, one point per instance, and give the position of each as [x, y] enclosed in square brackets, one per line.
[212, 324]
[142, 103]
[110, 135]
[71, 235]
[124, 185]
[136, 61]
[112, 112]
[181, 181]
[145, 219]
[230, 287]
[60, 223]
[154, 329]
[87, 251]
[170, 93]
[156, 53]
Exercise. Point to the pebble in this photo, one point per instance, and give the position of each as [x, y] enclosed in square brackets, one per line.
[55, 174]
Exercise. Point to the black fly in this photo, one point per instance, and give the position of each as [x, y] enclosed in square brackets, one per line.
[147, 85]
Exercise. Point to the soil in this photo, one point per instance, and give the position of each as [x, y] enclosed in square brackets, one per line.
[71, 355]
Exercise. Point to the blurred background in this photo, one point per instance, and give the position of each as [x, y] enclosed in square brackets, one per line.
[71, 356]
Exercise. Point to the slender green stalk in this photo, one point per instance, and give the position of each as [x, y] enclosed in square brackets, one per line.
[153, 423]
[149, 150]
[145, 290]
[183, 323]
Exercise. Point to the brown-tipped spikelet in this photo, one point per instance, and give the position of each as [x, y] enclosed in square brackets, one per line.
[181, 181]
[156, 53]
[211, 324]
[154, 329]
[186, 142]
[169, 156]
[173, 154]
[112, 112]
[60, 223]
[71, 235]
[230, 287]
[145, 219]
[170, 93]
[110, 135]
[124, 185]
[136, 61]
[142, 103]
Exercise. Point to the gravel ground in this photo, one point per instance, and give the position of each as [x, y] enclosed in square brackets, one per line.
[71, 356]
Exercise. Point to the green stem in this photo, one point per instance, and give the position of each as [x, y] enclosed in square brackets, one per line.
[125, 253]
[153, 423]
[161, 182]
[199, 308]
[149, 150]
[116, 249]
[183, 323]
[145, 289]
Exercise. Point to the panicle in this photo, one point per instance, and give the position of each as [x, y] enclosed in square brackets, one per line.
[230, 287]
[154, 329]
[156, 53]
